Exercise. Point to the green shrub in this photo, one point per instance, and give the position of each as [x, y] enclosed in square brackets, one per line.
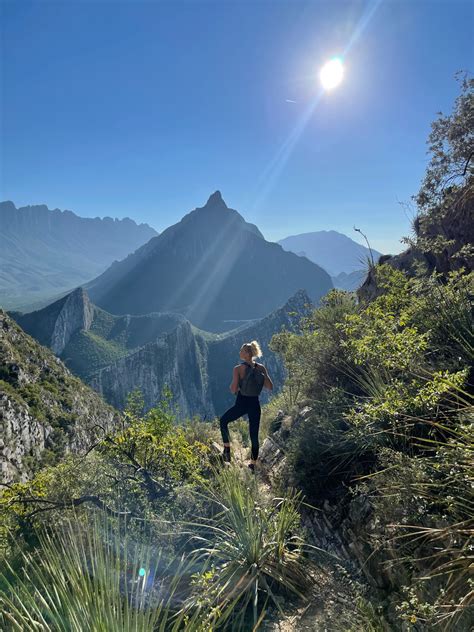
[250, 547]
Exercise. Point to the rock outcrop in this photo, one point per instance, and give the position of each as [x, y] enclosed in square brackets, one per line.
[177, 359]
[443, 242]
[44, 410]
[77, 313]
[118, 354]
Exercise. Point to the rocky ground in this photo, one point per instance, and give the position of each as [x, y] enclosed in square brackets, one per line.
[340, 597]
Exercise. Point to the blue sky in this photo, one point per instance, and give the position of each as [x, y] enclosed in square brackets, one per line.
[142, 109]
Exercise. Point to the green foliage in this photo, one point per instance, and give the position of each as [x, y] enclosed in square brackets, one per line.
[450, 143]
[89, 575]
[324, 453]
[138, 470]
[443, 227]
[392, 417]
[314, 351]
[87, 352]
[251, 547]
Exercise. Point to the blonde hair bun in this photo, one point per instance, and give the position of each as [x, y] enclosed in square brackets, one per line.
[256, 351]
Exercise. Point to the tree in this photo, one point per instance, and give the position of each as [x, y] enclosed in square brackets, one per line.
[444, 227]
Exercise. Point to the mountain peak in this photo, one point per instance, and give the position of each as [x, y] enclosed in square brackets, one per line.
[216, 200]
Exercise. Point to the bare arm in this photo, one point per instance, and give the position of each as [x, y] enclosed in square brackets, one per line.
[267, 383]
[234, 386]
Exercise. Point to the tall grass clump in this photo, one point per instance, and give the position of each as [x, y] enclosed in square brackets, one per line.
[439, 543]
[91, 576]
[251, 550]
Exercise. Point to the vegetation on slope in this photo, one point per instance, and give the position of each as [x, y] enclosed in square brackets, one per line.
[387, 385]
[37, 390]
[390, 384]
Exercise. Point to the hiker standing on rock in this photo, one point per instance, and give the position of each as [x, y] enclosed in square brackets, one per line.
[248, 379]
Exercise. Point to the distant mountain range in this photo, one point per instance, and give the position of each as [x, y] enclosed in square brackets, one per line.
[349, 282]
[116, 354]
[197, 267]
[212, 267]
[44, 253]
[334, 252]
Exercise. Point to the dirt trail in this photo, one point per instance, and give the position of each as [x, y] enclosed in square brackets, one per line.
[339, 598]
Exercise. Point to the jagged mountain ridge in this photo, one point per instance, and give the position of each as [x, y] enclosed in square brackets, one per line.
[212, 267]
[117, 354]
[44, 252]
[196, 365]
[45, 411]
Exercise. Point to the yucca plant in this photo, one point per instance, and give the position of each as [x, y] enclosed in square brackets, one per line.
[91, 576]
[250, 548]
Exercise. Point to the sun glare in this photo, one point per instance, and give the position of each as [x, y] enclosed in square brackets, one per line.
[331, 73]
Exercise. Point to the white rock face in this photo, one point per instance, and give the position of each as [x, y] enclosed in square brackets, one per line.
[20, 436]
[177, 360]
[77, 313]
[42, 406]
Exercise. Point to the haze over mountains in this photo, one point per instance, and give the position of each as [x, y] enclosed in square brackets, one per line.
[194, 268]
[212, 267]
[46, 252]
[333, 251]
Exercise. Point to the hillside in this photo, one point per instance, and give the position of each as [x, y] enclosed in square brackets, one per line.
[44, 252]
[117, 354]
[349, 282]
[45, 411]
[212, 267]
[334, 252]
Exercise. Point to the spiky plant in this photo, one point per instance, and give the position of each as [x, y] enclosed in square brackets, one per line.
[437, 542]
[91, 576]
[250, 548]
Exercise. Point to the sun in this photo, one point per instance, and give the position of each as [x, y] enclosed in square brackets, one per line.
[331, 73]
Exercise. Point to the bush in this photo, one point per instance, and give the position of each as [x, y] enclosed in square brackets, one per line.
[250, 547]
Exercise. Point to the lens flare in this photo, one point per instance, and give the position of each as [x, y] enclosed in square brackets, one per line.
[331, 73]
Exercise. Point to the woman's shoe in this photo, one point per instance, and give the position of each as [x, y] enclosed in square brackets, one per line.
[226, 455]
[251, 467]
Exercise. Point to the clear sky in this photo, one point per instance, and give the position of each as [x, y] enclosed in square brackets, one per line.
[142, 109]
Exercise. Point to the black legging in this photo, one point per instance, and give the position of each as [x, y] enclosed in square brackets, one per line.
[244, 404]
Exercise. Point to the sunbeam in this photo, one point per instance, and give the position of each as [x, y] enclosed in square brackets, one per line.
[276, 165]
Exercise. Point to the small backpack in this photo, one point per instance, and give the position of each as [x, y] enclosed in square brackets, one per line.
[252, 383]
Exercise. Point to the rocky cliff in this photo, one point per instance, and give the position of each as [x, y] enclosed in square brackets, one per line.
[44, 410]
[196, 365]
[117, 354]
[177, 359]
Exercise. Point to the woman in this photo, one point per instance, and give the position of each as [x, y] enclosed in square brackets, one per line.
[245, 404]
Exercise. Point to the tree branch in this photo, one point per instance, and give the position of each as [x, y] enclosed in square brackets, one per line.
[75, 502]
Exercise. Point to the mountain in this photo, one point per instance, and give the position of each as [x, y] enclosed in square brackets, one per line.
[86, 337]
[212, 267]
[44, 252]
[117, 354]
[45, 411]
[331, 250]
[349, 281]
